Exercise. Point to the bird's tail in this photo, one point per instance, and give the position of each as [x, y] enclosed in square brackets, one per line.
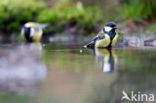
[90, 45]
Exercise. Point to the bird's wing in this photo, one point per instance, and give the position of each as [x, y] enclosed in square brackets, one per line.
[98, 37]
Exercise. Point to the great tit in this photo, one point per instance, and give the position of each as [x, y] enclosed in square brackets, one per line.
[106, 38]
[32, 31]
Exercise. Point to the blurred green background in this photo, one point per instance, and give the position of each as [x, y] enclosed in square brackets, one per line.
[82, 17]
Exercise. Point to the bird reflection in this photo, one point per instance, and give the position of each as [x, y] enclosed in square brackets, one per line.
[106, 58]
[21, 68]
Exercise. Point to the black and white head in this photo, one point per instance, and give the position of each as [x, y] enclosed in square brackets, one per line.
[30, 29]
[111, 26]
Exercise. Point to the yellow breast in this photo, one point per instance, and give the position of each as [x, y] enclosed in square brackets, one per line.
[37, 36]
[115, 40]
[103, 43]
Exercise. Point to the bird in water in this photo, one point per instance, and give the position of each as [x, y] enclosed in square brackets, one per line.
[32, 31]
[106, 38]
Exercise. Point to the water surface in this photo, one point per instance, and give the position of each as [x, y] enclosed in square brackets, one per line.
[69, 73]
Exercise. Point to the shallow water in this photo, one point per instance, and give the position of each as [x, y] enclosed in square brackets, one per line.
[69, 73]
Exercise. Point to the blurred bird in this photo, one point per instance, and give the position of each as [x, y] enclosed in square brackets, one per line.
[106, 38]
[32, 31]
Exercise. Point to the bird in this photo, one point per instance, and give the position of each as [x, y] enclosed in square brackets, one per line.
[32, 31]
[106, 38]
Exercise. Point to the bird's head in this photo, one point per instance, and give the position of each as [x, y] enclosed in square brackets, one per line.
[109, 27]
